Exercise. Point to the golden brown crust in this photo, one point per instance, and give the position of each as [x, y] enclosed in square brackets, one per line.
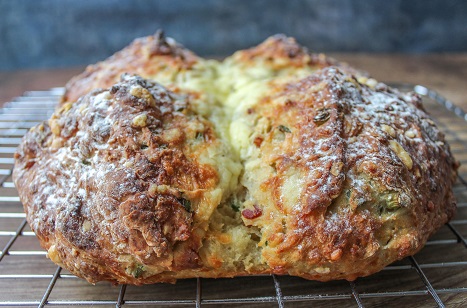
[118, 174]
[155, 57]
[279, 47]
[352, 171]
[302, 167]
[280, 52]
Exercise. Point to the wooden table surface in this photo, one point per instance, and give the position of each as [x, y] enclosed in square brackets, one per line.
[445, 73]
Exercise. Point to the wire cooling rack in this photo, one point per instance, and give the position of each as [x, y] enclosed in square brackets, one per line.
[436, 276]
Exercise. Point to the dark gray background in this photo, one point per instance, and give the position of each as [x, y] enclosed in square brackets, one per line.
[54, 33]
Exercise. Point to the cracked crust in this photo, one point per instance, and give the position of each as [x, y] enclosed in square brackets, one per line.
[343, 176]
[155, 57]
[275, 161]
[115, 181]
[280, 52]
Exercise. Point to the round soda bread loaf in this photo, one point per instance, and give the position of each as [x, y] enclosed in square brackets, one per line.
[273, 161]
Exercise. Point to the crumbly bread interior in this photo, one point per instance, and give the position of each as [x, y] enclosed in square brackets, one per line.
[229, 88]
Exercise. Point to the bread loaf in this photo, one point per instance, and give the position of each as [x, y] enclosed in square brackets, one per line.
[160, 165]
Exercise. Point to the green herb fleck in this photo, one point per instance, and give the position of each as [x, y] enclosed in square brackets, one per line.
[186, 204]
[199, 136]
[392, 202]
[266, 243]
[139, 270]
[235, 207]
[284, 129]
[85, 162]
[163, 146]
[143, 146]
[389, 202]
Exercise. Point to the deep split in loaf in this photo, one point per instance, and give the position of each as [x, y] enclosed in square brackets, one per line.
[275, 160]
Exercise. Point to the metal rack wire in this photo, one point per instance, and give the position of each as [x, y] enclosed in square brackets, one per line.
[436, 276]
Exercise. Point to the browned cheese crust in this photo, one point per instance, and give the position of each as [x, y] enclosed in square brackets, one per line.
[346, 179]
[274, 161]
[284, 53]
[115, 180]
[155, 57]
